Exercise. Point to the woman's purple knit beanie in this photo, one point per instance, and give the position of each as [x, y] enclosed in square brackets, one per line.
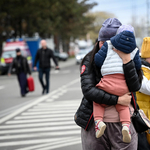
[109, 29]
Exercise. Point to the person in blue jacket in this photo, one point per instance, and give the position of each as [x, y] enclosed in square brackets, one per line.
[113, 80]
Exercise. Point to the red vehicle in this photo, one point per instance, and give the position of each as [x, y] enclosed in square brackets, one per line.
[9, 52]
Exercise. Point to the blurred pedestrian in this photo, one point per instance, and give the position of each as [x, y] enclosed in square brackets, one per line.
[21, 66]
[143, 96]
[44, 55]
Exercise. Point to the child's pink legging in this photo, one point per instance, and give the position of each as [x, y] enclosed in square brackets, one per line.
[114, 84]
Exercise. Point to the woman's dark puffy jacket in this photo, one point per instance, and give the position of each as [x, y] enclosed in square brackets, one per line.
[84, 114]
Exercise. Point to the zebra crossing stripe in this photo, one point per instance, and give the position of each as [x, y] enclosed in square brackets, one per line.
[41, 123]
[62, 145]
[51, 109]
[40, 129]
[36, 125]
[40, 120]
[51, 141]
[56, 105]
[49, 112]
[74, 89]
[41, 134]
[50, 144]
[4, 119]
[43, 116]
[66, 101]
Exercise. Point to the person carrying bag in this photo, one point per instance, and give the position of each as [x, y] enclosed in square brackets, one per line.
[21, 66]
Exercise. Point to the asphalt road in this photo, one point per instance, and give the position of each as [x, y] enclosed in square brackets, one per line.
[38, 122]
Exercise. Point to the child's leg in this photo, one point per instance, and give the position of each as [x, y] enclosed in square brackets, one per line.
[100, 126]
[124, 114]
[98, 111]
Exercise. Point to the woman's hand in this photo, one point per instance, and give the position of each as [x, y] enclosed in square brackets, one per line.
[125, 99]
[125, 57]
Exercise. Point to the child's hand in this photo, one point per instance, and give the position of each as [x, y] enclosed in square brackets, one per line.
[125, 57]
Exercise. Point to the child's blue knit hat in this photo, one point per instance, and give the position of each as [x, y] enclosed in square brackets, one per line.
[124, 41]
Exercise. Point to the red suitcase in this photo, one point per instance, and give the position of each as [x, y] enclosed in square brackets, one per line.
[30, 82]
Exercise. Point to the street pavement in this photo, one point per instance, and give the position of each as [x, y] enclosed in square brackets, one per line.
[39, 122]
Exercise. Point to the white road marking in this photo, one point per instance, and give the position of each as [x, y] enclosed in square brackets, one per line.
[62, 145]
[56, 108]
[50, 144]
[64, 102]
[36, 102]
[40, 109]
[68, 101]
[15, 143]
[41, 134]
[55, 96]
[9, 110]
[60, 72]
[36, 125]
[43, 116]
[24, 108]
[40, 129]
[40, 120]
[49, 100]
[74, 89]
[56, 105]
[49, 112]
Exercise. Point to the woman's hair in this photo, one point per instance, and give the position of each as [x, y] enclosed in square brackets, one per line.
[140, 75]
[92, 54]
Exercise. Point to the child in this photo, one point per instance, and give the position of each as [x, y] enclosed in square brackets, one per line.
[113, 80]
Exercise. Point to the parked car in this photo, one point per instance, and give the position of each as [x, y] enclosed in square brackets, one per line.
[82, 52]
[61, 56]
[9, 52]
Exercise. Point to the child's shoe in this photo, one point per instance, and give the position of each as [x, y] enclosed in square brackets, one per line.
[100, 127]
[126, 133]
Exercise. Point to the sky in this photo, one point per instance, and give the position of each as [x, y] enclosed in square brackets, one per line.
[124, 10]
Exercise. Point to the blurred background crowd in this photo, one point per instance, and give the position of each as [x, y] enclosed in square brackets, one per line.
[69, 27]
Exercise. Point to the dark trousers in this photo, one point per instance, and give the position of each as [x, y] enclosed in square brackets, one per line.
[47, 74]
[22, 79]
[142, 142]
